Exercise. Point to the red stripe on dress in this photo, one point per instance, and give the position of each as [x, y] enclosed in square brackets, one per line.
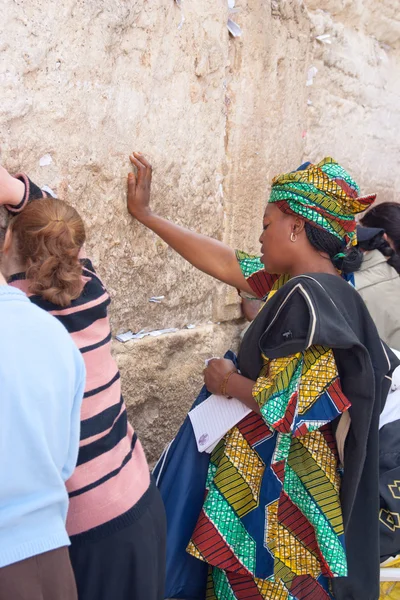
[284, 425]
[254, 429]
[213, 547]
[304, 587]
[261, 282]
[338, 398]
[294, 520]
[244, 588]
[330, 439]
[279, 470]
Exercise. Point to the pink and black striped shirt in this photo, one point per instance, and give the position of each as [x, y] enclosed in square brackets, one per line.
[112, 473]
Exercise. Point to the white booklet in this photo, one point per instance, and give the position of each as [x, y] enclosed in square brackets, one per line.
[213, 418]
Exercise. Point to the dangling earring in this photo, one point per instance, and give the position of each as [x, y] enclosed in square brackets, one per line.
[293, 237]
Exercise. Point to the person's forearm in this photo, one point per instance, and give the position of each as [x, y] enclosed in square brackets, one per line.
[12, 190]
[206, 254]
[242, 388]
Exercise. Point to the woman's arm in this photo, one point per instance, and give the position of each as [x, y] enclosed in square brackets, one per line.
[206, 254]
[12, 190]
[220, 376]
[16, 191]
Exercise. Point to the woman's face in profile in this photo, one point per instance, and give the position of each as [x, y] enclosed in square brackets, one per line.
[276, 246]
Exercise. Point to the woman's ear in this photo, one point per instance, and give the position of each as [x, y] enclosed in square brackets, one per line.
[389, 241]
[298, 225]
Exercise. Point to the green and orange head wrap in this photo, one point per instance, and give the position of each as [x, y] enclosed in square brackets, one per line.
[325, 195]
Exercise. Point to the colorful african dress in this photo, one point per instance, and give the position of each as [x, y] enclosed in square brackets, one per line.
[271, 525]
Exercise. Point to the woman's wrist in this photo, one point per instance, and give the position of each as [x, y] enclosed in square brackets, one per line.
[144, 216]
[225, 382]
[231, 385]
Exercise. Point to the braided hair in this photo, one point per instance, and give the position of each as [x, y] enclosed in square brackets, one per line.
[345, 260]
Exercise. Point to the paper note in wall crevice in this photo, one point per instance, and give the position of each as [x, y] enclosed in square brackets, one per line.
[213, 418]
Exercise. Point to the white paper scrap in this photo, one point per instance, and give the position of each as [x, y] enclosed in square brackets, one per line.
[180, 4]
[160, 332]
[156, 299]
[49, 191]
[213, 418]
[312, 71]
[129, 335]
[234, 28]
[124, 337]
[45, 161]
[324, 39]
[212, 358]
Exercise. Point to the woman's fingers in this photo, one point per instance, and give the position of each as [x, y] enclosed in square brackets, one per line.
[143, 166]
[131, 184]
[139, 186]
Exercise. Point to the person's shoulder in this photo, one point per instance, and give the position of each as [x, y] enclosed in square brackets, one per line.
[320, 283]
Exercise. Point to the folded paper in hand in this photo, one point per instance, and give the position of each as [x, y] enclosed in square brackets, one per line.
[213, 418]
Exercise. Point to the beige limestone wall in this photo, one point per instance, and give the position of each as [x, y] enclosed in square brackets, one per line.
[85, 82]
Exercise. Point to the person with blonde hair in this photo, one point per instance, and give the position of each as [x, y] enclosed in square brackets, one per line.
[116, 519]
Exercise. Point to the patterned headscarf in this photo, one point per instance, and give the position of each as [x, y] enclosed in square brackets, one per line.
[324, 195]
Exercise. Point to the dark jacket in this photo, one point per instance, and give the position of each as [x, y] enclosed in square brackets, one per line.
[322, 309]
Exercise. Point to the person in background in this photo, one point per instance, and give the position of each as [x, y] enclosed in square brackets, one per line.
[116, 518]
[378, 279]
[42, 380]
[291, 496]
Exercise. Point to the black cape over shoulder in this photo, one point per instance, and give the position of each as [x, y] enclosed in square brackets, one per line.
[323, 309]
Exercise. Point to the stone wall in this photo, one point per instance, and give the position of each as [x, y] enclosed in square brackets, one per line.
[83, 83]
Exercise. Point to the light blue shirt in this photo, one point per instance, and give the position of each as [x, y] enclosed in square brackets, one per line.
[42, 379]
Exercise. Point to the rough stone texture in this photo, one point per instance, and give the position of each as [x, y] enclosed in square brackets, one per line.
[86, 82]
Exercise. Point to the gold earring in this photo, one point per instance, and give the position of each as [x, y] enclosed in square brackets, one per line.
[293, 237]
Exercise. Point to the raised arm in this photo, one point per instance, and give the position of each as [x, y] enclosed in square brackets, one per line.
[205, 253]
[12, 189]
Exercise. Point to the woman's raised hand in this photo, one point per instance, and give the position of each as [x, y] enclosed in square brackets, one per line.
[139, 187]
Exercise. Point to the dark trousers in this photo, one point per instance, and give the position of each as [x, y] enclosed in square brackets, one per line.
[126, 564]
[46, 576]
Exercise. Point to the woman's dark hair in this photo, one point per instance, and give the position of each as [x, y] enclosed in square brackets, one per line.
[326, 242]
[378, 242]
[385, 216]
